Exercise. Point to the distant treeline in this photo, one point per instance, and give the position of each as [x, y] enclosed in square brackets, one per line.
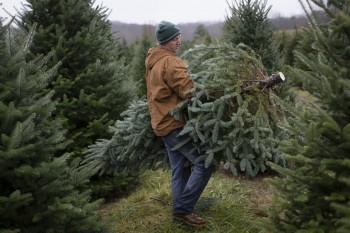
[130, 32]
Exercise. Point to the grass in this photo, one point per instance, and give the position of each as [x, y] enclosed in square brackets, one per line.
[228, 204]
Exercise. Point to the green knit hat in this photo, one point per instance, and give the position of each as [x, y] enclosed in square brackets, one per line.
[166, 31]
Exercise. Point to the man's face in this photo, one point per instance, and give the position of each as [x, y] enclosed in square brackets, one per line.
[174, 44]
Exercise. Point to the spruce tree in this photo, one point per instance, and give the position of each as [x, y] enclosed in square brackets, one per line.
[39, 189]
[249, 24]
[313, 194]
[93, 83]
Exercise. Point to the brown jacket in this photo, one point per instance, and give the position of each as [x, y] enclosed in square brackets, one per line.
[168, 84]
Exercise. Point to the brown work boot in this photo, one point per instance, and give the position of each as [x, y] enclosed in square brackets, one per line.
[190, 219]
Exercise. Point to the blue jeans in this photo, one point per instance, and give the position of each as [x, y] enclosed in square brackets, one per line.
[187, 182]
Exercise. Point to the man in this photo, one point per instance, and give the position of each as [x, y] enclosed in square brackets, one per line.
[168, 84]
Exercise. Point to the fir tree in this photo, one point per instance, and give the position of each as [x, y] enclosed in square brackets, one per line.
[185, 45]
[314, 193]
[249, 24]
[226, 124]
[230, 124]
[93, 82]
[202, 36]
[126, 51]
[39, 190]
[287, 42]
[137, 67]
[134, 146]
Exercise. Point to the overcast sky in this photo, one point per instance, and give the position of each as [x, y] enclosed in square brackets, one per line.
[176, 11]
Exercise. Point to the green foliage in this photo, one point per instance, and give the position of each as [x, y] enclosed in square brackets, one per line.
[287, 42]
[133, 148]
[39, 190]
[314, 194]
[202, 36]
[137, 67]
[109, 186]
[126, 50]
[92, 82]
[228, 125]
[249, 24]
[185, 45]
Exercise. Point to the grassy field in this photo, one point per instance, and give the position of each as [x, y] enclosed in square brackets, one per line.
[228, 204]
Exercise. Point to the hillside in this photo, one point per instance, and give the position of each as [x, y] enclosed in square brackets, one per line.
[130, 32]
